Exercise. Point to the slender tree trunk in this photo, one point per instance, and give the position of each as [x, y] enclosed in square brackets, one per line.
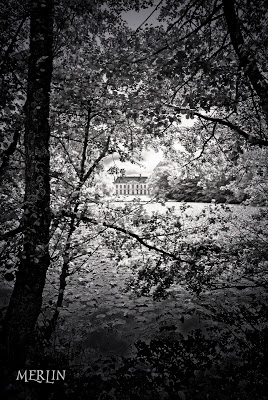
[26, 299]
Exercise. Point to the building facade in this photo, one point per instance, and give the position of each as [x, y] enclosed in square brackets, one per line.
[131, 185]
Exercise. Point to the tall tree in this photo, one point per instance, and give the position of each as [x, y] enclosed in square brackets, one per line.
[26, 300]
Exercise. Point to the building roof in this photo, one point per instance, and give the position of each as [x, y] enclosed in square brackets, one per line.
[126, 179]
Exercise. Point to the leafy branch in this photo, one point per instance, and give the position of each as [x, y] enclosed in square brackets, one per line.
[103, 153]
[133, 235]
[251, 139]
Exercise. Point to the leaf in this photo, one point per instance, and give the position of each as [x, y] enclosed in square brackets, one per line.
[181, 395]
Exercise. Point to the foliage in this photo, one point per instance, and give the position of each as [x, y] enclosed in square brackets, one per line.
[194, 368]
[195, 251]
[159, 181]
[170, 180]
[251, 178]
[173, 367]
[13, 79]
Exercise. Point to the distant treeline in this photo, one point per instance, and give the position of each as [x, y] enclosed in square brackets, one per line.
[191, 190]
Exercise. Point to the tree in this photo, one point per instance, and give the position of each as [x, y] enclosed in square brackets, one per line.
[159, 180]
[26, 298]
[182, 178]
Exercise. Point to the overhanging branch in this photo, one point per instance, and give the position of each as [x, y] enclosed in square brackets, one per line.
[251, 139]
[133, 235]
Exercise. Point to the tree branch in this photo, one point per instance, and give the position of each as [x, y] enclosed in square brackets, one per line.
[251, 139]
[85, 144]
[133, 235]
[209, 19]
[9, 151]
[11, 45]
[96, 162]
[203, 147]
[246, 58]
[12, 233]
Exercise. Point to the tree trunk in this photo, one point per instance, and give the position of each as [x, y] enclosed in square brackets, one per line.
[26, 299]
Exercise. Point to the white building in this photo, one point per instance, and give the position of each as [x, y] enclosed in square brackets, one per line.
[131, 185]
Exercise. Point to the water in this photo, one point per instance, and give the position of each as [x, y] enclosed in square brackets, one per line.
[193, 209]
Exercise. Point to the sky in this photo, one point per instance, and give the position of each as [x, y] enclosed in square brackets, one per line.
[135, 19]
[145, 167]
